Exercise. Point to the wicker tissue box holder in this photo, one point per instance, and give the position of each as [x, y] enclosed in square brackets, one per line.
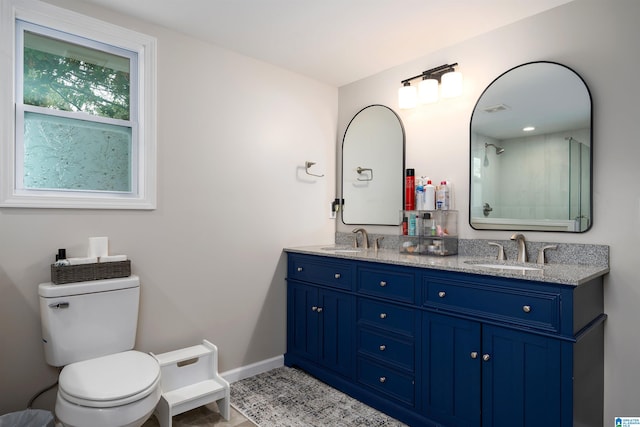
[96, 271]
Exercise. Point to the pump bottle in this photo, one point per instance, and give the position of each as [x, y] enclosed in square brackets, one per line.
[420, 195]
[429, 196]
[442, 196]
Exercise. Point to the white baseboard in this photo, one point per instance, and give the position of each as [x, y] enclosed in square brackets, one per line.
[253, 369]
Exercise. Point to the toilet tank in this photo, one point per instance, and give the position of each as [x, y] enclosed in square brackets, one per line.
[83, 320]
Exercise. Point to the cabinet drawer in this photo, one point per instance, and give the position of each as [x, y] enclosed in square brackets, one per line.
[540, 310]
[386, 316]
[319, 270]
[386, 349]
[387, 381]
[396, 285]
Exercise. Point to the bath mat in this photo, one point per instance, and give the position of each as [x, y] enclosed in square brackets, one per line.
[288, 397]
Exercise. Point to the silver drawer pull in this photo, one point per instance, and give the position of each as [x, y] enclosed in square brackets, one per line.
[474, 354]
[319, 309]
[486, 357]
[299, 269]
[383, 379]
[383, 347]
[337, 275]
[383, 283]
[526, 308]
[314, 308]
[59, 305]
[383, 315]
[442, 294]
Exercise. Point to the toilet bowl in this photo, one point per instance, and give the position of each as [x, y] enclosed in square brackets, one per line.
[117, 390]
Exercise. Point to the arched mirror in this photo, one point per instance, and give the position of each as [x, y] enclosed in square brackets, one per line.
[531, 151]
[372, 167]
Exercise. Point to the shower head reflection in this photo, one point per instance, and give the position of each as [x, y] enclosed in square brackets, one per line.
[499, 150]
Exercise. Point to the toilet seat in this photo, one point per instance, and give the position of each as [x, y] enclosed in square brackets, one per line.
[108, 381]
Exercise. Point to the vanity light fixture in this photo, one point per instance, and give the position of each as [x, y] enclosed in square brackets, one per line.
[407, 96]
[528, 129]
[427, 90]
[451, 84]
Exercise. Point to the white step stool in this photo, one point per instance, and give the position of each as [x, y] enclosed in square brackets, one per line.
[190, 379]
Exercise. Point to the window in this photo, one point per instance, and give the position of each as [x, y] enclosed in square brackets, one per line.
[84, 113]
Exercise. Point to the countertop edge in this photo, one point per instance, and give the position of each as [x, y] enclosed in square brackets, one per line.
[562, 274]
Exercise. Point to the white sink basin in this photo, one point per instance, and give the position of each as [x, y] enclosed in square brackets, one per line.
[505, 266]
[508, 267]
[339, 250]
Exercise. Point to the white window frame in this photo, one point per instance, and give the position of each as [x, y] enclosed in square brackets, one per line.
[36, 12]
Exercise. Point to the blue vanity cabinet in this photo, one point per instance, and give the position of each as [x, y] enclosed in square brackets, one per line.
[451, 370]
[437, 348]
[321, 314]
[524, 370]
[507, 352]
[387, 327]
[486, 375]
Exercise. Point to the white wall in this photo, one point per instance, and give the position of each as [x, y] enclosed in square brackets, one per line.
[599, 40]
[233, 136]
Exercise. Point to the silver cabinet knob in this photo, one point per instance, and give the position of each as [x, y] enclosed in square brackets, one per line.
[337, 275]
[442, 294]
[474, 354]
[319, 309]
[383, 347]
[383, 379]
[299, 269]
[383, 283]
[314, 308]
[486, 357]
[526, 308]
[383, 315]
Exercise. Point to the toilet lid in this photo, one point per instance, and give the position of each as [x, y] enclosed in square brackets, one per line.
[115, 377]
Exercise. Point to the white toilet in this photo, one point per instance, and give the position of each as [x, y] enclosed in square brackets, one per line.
[90, 329]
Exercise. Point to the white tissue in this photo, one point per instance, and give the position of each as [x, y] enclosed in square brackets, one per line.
[113, 258]
[98, 247]
[86, 260]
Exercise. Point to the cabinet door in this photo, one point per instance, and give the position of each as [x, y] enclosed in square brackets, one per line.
[451, 370]
[520, 379]
[336, 316]
[302, 320]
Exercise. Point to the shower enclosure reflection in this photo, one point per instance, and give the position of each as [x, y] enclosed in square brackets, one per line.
[579, 183]
[517, 173]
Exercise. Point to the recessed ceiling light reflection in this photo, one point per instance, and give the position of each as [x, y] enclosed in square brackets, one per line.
[528, 128]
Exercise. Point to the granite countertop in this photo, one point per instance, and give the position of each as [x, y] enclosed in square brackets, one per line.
[565, 274]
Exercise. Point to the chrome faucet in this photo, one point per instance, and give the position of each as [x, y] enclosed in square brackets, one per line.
[365, 238]
[522, 247]
[501, 256]
[376, 245]
[541, 259]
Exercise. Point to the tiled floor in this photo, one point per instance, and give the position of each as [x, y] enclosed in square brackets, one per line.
[205, 416]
